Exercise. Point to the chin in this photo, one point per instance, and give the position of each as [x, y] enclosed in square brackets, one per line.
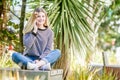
[40, 23]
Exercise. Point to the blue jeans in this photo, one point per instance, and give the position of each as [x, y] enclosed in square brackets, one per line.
[51, 58]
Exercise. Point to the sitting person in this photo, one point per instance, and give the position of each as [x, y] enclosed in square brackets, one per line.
[37, 39]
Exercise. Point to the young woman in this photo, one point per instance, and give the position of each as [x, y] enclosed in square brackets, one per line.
[37, 39]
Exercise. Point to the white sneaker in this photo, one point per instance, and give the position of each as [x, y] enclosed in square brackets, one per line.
[46, 67]
[31, 66]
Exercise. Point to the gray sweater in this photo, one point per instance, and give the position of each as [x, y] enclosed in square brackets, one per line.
[39, 44]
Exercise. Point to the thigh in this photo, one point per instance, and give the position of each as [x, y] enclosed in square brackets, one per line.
[19, 58]
[53, 56]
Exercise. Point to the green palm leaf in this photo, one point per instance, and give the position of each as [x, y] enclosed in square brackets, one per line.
[68, 19]
[71, 30]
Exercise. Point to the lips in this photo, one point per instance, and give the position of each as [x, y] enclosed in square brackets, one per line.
[40, 20]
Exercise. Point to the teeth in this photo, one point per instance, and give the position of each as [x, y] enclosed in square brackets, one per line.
[40, 20]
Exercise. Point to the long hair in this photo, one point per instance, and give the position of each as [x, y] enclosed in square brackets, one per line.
[30, 23]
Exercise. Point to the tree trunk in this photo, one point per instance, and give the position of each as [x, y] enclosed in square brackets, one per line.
[22, 24]
[4, 11]
[63, 62]
[1, 14]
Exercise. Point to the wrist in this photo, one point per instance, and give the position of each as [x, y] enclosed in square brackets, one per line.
[34, 33]
[34, 30]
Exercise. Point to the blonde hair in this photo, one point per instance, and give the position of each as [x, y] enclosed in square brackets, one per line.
[30, 23]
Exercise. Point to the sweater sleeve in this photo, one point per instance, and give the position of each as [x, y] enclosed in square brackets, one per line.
[28, 39]
[49, 46]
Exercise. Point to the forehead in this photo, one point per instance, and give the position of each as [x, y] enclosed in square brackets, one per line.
[41, 13]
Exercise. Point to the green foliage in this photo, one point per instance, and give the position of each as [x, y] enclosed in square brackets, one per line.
[117, 42]
[109, 27]
[69, 24]
[107, 76]
[0, 3]
[10, 35]
[72, 32]
[6, 61]
[89, 73]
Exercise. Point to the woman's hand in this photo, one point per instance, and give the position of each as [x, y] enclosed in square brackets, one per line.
[36, 61]
[35, 27]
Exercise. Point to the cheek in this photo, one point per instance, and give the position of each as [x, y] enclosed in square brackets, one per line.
[37, 19]
[44, 19]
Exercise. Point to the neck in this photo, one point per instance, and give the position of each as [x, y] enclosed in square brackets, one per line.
[41, 27]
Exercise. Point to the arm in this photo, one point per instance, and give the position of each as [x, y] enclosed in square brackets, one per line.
[28, 39]
[49, 46]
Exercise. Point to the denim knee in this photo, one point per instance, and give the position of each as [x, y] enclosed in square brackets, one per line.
[58, 52]
[14, 56]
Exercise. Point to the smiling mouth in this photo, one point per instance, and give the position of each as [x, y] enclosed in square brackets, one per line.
[40, 20]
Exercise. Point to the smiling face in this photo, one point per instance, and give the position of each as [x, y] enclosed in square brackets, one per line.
[40, 19]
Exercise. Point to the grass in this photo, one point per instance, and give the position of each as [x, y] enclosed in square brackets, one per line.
[87, 73]
[6, 61]
[77, 72]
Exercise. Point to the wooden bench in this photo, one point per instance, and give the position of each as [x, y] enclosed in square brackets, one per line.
[18, 74]
[114, 70]
[110, 69]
